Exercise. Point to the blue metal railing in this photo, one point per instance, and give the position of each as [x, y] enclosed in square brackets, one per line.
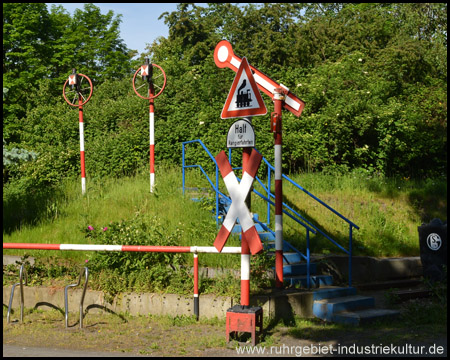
[286, 208]
[215, 187]
[270, 195]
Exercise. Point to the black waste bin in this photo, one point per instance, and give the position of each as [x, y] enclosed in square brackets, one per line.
[433, 249]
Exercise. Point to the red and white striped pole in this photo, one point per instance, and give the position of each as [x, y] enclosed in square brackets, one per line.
[196, 299]
[245, 272]
[147, 76]
[83, 171]
[151, 92]
[276, 128]
[245, 249]
[74, 81]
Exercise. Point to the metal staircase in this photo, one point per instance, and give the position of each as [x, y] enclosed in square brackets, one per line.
[335, 304]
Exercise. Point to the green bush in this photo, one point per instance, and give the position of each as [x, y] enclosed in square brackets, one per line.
[137, 231]
[138, 271]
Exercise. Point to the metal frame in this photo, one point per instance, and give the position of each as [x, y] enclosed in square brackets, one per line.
[21, 272]
[66, 305]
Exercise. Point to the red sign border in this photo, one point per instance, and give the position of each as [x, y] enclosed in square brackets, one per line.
[261, 110]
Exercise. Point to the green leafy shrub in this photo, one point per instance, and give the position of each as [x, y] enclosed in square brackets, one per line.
[137, 231]
[138, 271]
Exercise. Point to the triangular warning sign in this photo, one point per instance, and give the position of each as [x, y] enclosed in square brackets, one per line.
[244, 98]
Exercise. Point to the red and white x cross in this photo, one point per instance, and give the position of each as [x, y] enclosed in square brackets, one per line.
[238, 209]
[72, 79]
[144, 70]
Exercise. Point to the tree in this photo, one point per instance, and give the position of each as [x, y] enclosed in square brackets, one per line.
[373, 77]
[91, 43]
[25, 56]
[357, 66]
[39, 45]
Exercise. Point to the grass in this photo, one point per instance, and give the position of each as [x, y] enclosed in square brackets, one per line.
[387, 211]
[111, 200]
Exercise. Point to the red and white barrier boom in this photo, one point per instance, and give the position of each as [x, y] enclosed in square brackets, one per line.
[135, 248]
[123, 248]
[77, 94]
[144, 87]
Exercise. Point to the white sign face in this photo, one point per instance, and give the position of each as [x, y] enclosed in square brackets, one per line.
[243, 97]
[241, 134]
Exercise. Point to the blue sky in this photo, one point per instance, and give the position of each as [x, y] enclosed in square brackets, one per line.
[140, 25]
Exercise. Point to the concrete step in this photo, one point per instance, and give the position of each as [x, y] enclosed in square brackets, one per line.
[270, 244]
[289, 257]
[315, 280]
[405, 295]
[326, 309]
[391, 284]
[342, 305]
[299, 269]
[364, 316]
[333, 292]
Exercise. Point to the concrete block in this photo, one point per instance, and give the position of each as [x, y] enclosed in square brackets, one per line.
[370, 269]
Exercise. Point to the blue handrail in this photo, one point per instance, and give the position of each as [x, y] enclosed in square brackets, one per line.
[313, 196]
[295, 215]
[351, 224]
[216, 188]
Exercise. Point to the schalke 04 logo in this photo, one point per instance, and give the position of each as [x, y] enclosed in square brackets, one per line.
[434, 241]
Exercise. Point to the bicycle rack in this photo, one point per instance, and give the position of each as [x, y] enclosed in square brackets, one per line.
[22, 270]
[86, 272]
